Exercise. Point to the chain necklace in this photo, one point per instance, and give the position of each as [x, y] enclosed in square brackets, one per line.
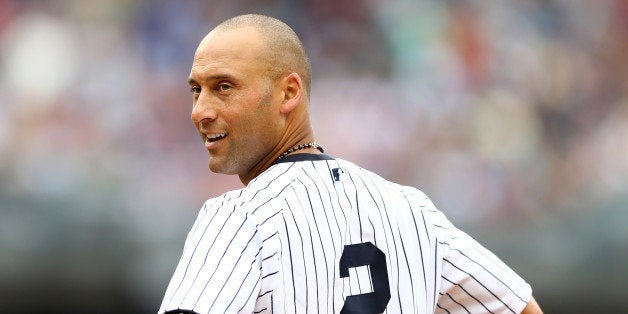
[299, 147]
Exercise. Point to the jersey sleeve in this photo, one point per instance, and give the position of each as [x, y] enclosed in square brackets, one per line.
[219, 271]
[474, 280]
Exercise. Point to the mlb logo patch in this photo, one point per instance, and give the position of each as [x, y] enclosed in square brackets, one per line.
[340, 174]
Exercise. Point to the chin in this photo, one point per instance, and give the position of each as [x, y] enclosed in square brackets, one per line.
[218, 165]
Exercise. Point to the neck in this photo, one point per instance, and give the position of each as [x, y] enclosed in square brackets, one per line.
[294, 136]
[299, 147]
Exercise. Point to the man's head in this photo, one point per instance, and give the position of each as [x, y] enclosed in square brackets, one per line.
[250, 80]
[284, 51]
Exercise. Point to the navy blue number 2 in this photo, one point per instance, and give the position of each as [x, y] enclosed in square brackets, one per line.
[362, 254]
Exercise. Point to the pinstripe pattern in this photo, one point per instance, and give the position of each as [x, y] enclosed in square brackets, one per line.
[275, 246]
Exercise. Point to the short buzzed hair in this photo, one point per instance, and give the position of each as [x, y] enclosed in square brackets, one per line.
[285, 50]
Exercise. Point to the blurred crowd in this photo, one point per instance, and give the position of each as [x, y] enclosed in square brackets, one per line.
[504, 113]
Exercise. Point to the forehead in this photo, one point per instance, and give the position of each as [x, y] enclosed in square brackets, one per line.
[234, 52]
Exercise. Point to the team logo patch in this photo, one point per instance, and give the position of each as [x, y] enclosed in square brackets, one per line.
[340, 174]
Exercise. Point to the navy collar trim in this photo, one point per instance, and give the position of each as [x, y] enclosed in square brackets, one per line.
[304, 157]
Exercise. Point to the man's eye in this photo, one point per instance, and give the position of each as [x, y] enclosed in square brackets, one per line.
[195, 89]
[224, 87]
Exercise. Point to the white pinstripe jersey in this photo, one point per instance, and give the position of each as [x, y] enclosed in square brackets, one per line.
[314, 234]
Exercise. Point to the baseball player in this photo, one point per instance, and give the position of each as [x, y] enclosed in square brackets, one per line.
[310, 233]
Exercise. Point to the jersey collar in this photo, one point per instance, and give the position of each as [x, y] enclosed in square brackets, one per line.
[304, 157]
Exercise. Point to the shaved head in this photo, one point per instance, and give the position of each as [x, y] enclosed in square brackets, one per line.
[250, 81]
[284, 53]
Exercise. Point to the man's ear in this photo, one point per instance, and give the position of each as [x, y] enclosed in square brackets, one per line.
[292, 92]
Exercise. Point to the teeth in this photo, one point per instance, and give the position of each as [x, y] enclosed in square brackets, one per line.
[213, 137]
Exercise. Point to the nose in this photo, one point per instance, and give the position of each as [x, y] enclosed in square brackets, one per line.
[203, 110]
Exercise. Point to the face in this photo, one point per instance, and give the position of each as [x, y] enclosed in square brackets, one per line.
[235, 106]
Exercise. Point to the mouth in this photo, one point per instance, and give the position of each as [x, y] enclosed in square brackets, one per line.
[210, 138]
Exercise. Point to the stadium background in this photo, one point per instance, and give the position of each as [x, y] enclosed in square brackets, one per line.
[512, 116]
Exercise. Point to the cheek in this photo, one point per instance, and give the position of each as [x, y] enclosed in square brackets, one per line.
[259, 137]
[261, 128]
[263, 116]
[257, 123]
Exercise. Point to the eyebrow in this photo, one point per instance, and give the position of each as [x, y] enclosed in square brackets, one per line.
[216, 77]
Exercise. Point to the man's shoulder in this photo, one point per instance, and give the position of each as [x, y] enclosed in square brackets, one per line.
[371, 181]
[374, 177]
[226, 199]
[256, 200]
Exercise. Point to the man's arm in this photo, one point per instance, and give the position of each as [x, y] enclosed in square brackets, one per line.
[532, 308]
[220, 269]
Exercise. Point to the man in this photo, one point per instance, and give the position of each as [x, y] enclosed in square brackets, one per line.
[309, 233]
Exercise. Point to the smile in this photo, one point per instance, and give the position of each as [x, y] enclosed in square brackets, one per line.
[215, 137]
